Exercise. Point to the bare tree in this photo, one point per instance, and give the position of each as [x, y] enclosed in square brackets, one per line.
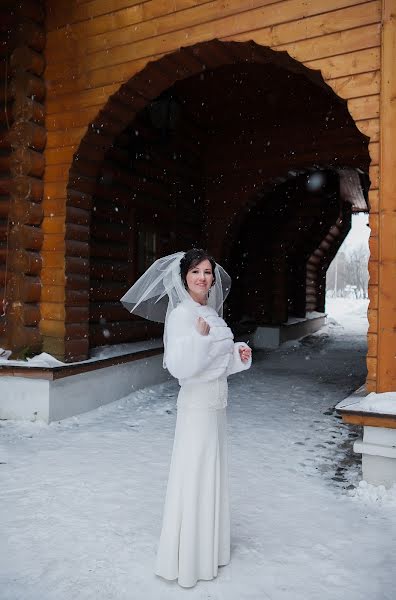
[348, 273]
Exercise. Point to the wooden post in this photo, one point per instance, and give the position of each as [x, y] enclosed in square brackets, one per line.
[386, 366]
[24, 140]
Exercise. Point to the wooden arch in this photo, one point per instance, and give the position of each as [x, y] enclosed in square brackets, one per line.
[119, 111]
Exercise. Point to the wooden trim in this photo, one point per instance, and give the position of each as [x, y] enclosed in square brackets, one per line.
[369, 420]
[54, 373]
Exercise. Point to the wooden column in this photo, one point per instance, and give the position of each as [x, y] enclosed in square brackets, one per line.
[24, 141]
[386, 366]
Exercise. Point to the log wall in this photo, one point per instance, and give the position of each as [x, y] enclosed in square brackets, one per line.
[91, 52]
[23, 139]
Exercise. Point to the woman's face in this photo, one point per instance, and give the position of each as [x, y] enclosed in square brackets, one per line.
[199, 280]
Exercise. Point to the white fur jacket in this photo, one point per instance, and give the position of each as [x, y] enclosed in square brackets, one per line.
[195, 358]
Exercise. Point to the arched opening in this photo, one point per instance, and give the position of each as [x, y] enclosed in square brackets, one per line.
[217, 145]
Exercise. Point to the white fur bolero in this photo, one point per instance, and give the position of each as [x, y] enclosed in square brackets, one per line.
[195, 358]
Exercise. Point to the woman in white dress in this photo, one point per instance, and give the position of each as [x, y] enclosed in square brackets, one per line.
[200, 353]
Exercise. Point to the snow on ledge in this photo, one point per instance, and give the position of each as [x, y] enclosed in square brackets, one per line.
[102, 352]
[384, 403]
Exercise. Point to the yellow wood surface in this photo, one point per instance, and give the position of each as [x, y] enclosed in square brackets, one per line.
[91, 50]
[387, 207]
[370, 421]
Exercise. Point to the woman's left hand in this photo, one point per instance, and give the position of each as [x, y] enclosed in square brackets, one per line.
[245, 353]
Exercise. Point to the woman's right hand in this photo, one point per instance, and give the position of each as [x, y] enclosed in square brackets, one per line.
[202, 326]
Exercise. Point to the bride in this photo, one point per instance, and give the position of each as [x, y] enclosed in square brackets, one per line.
[187, 290]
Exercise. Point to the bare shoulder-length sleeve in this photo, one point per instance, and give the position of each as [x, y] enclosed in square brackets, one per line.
[187, 352]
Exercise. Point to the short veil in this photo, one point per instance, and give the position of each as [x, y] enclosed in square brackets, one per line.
[160, 289]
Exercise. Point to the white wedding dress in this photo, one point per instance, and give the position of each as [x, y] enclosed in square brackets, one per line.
[195, 536]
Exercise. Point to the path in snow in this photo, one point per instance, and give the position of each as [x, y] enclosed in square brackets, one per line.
[81, 500]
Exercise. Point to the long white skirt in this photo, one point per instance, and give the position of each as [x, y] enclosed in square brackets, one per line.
[195, 537]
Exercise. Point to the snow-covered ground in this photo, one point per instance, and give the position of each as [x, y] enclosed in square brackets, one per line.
[81, 500]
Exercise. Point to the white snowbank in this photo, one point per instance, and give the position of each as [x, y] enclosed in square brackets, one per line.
[100, 353]
[81, 500]
[371, 494]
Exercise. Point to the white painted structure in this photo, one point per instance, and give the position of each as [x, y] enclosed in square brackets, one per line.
[40, 398]
[272, 336]
[378, 445]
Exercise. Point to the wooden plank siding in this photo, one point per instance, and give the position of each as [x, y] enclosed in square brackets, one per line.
[91, 52]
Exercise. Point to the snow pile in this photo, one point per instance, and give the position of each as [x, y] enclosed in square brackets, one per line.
[372, 494]
[81, 500]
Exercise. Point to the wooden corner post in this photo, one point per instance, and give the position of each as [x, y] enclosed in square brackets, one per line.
[386, 370]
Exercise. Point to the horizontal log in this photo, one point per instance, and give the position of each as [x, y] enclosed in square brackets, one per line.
[54, 225]
[80, 233]
[76, 350]
[109, 311]
[24, 161]
[356, 86]
[31, 315]
[315, 260]
[366, 107]
[23, 187]
[26, 59]
[53, 277]
[27, 33]
[79, 199]
[4, 207]
[110, 211]
[3, 231]
[75, 281]
[78, 216]
[53, 294]
[26, 109]
[76, 331]
[312, 298]
[111, 271]
[26, 212]
[111, 251]
[71, 118]
[25, 237]
[76, 297]
[369, 127]
[360, 61]
[22, 338]
[23, 261]
[23, 288]
[54, 242]
[108, 291]
[279, 20]
[61, 155]
[77, 314]
[119, 233]
[55, 346]
[27, 84]
[76, 248]
[26, 133]
[120, 332]
[76, 264]
[52, 328]
[29, 10]
[83, 100]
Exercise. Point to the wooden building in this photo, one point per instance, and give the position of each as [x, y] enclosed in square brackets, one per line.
[132, 129]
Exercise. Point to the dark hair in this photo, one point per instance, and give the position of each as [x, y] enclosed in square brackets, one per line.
[191, 259]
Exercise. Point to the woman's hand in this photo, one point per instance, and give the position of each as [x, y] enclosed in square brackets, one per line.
[202, 326]
[245, 353]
